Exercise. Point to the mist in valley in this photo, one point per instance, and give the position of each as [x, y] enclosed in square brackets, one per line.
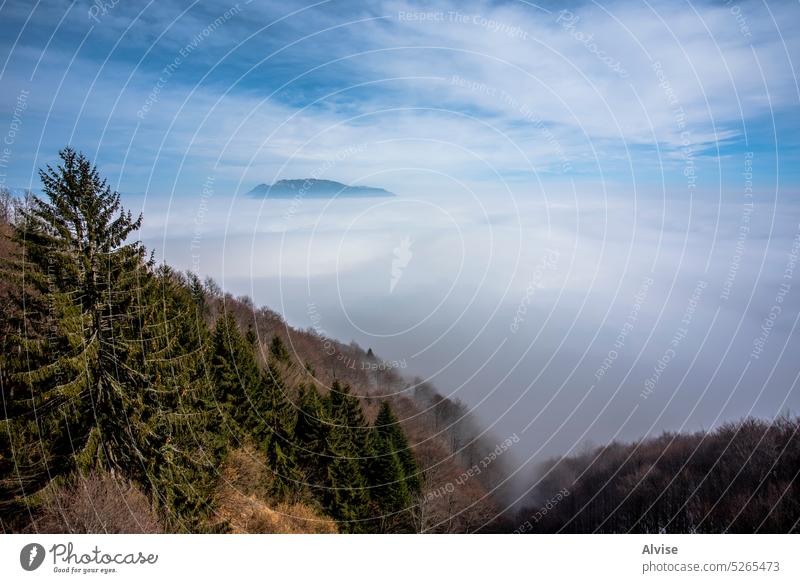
[567, 324]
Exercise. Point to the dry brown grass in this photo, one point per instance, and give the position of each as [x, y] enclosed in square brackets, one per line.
[243, 505]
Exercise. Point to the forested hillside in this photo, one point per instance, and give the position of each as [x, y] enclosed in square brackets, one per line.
[740, 478]
[140, 399]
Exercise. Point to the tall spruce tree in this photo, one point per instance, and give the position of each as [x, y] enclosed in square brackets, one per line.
[348, 417]
[254, 402]
[105, 359]
[279, 415]
[78, 386]
[389, 427]
[347, 491]
[184, 471]
[389, 494]
[234, 373]
[393, 472]
[311, 437]
[277, 350]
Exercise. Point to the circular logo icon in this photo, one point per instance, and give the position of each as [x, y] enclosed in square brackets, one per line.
[31, 556]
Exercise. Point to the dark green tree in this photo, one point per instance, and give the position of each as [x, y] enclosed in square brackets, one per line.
[311, 437]
[255, 402]
[280, 416]
[184, 471]
[346, 496]
[79, 386]
[235, 375]
[393, 472]
[346, 415]
[278, 351]
[105, 355]
[388, 426]
[390, 500]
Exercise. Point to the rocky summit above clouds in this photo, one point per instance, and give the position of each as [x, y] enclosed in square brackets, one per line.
[314, 188]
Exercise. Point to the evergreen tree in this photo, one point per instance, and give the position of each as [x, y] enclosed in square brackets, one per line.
[394, 474]
[106, 355]
[281, 417]
[388, 489]
[311, 435]
[388, 426]
[255, 402]
[185, 470]
[198, 294]
[278, 350]
[235, 374]
[346, 413]
[77, 382]
[346, 495]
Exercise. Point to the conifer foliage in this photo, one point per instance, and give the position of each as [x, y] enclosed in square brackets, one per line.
[394, 471]
[111, 363]
[78, 386]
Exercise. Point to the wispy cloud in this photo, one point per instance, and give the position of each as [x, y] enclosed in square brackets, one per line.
[476, 89]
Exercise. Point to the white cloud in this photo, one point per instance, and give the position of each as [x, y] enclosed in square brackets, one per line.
[541, 96]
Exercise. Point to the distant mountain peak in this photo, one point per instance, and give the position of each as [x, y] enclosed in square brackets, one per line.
[315, 188]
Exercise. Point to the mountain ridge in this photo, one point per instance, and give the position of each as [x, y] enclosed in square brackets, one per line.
[316, 188]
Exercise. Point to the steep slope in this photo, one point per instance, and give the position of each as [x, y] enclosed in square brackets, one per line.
[446, 440]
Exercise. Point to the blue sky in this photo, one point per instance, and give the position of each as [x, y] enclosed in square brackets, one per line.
[625, 138]
[519, 87]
